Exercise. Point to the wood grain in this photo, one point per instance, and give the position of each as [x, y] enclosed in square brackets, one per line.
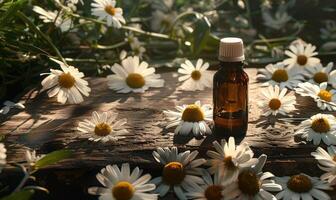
[46, 125]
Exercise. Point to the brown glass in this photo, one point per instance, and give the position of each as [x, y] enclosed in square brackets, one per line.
[230, 98]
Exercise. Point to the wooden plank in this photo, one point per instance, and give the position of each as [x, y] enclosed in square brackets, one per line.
[46, 125]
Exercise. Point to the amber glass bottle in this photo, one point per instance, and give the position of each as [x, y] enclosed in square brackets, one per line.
[230, 91]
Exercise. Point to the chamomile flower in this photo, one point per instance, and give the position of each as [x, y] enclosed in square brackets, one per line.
[327, 163]
[133, 76]
[8, 105]
[212, 189]
[333, 79]
[277, 21]
[131, 39]
[302, 187]
[3, 156]
[252, 183]
[106, 9]
[276, 101]
[60, 20]
[190, 118]
[229, 159]
[68, 84]
[297, 42]
[137, 47]
[195, 77]
[318, 74]
[122, 184]
[32, 158]
[103, 127]
[319, 127]
[162, 21]
[278, 74]
[325, 98]
[301, 55]
[180, 171]
[69, 5]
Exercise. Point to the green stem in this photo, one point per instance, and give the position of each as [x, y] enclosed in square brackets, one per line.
[264, 39]
[151, 34]
[249, 13]
[184, 14]
[89, 60]
[53, 25]
[330, 53]
[106, 47]
[24, 179]
[39, 32]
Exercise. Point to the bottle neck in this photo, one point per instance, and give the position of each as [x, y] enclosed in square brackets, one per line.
[231, 65]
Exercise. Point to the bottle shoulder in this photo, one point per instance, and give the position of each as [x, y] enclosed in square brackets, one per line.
[227, 75]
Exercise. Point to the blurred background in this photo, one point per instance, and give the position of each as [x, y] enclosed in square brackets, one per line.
[162, 32]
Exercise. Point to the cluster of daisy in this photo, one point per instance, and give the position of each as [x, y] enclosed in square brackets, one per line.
[233, 174]
[59, 18]
[131, 75]
[301, 72]
[305, 75]
[105, 10]
[135, 76]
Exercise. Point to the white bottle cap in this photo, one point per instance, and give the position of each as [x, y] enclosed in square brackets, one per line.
[231, 49]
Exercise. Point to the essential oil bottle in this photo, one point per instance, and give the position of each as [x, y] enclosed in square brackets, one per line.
[230, 91]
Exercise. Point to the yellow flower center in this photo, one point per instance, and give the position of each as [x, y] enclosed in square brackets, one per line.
[320, 77]
[214, 192]
[302, 59]
[280, 75]
[192, 113]
[321, 125]
[196, 75]
[123, 191]
[102, 129]
[66, 80]
[299, 184]
[135, 80]
[334, 158]
[110, 10]
[228, 163]
[173, 173]
[274, 104]
[325, 95]
[248, 182]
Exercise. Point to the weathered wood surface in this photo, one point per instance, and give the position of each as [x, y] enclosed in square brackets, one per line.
[46, 125]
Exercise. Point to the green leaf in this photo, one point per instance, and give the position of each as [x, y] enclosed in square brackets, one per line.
[200, 34]
[11, 11]
[21, 195]
[52, 158]
[212, 43]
